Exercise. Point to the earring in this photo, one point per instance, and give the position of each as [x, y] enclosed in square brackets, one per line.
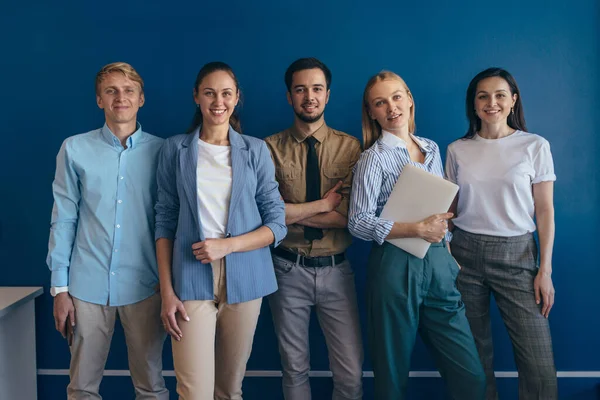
[512, 111]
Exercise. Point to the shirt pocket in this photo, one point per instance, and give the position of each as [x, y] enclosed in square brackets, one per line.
[289, 180]
[333, 174]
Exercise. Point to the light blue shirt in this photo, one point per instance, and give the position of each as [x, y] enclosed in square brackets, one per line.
[102, 230]
[375, 175]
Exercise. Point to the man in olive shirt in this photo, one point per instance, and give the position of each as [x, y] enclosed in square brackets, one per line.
[313, 165]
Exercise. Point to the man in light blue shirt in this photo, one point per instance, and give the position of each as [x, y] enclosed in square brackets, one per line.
[101, 247]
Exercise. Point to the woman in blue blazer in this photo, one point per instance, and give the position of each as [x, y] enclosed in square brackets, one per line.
[218, 211]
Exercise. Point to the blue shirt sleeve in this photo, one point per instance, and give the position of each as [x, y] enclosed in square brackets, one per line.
[65, 216]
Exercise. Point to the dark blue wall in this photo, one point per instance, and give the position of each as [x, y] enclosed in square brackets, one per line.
[50, 52]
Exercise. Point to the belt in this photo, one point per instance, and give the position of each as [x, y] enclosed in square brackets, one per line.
[325, 261]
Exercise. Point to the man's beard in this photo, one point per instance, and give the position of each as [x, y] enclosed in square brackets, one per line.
[308, 119]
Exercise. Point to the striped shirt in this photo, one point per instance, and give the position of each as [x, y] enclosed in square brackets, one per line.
[375, 175]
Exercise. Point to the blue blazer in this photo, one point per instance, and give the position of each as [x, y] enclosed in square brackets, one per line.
[255, 201]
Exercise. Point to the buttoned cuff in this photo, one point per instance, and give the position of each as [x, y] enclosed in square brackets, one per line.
[59, 277]
[54, 290]
[382, 230]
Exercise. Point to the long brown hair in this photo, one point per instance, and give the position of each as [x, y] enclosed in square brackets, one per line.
[207, 69]
[516, 119]
[370, 127]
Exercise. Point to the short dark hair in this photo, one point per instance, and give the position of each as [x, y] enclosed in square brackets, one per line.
[516, 119]
[306, 63]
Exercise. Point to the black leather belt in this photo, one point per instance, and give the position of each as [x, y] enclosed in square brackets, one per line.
[325, 261]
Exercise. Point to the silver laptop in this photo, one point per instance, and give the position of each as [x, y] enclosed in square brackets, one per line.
[417, 195]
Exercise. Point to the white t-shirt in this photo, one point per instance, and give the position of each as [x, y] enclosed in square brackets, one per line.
[213, 185]
[495, 177]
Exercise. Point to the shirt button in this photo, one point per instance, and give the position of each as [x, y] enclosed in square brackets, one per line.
[120, 177]
[112, 273]
[119, 201]
[116, 250]
[118, 226]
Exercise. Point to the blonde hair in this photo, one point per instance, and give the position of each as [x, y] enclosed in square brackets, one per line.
[121, 67]
[370, 127]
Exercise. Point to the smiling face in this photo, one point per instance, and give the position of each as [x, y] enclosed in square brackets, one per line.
[494, 100]
[308, 94]
[216, 96]
[389, 103]
[120, 98]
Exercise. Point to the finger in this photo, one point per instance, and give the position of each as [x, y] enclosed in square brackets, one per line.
[547, 304]
[200, 253]
[72, 316]
[445, 216]
[538, 296]
[182, 311]
[337, 186]
[197, 245]
[167, 326]
[170, 331]
[165, 321]
[60, 326]
[550, 304]
[334, 189]
[175, 327]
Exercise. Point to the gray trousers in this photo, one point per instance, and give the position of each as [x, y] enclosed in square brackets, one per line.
[506, 267]
[144, 335]
[332, 292]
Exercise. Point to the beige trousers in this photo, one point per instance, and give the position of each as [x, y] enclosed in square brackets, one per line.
[144, 336]
[210, 360]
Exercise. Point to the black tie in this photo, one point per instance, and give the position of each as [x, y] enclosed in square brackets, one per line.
[313, 185]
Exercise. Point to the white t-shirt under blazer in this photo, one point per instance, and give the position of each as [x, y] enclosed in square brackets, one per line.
[495, 177]
[213, 185]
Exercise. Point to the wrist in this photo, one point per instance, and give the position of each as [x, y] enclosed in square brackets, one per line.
[545, 267]
[416, 230]
[166, 290]
[62, 294]
[232, 244]
[322, 206]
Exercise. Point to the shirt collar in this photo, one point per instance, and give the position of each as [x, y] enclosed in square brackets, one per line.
[132, 140]
[320, 134]
[394, 141]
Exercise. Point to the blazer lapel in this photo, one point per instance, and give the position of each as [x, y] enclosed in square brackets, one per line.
[188, 162]
[239, 167]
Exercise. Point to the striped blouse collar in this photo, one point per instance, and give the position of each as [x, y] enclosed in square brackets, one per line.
[393, 141]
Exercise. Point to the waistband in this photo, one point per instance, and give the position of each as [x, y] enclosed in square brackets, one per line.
[493, 239]
[325, 261]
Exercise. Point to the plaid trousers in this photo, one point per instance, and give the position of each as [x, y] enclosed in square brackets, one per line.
[506, 267]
